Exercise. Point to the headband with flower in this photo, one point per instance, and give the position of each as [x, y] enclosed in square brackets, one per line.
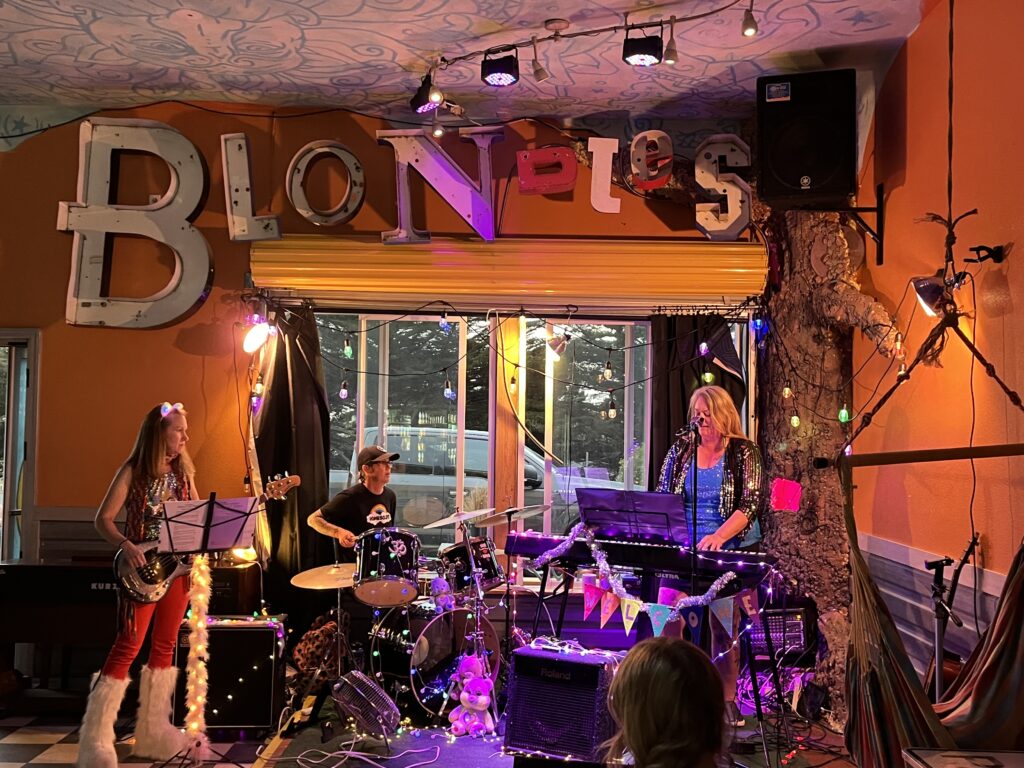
[166, 408]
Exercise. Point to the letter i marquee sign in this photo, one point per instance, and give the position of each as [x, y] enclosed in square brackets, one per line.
[93, 218]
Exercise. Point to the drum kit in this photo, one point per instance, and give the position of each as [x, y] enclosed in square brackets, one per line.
[429, 612]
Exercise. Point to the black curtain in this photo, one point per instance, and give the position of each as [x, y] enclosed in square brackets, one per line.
[292, 434]
[676, 370]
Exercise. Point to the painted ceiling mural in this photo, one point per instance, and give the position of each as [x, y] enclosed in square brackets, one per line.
[369, 55]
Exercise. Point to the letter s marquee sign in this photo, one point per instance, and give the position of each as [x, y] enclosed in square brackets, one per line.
[93, 218]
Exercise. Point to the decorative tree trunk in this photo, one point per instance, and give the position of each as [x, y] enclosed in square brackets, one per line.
[809, 349]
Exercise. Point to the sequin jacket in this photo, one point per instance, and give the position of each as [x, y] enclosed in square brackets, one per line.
[742, 476]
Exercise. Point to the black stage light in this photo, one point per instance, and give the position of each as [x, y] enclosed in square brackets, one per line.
[642, 51]
[427, 98]
[503, 70]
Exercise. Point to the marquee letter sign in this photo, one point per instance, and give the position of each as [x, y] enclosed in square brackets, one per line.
[92, 218]
[243, 223]
[354, 193]
[601, 175]
[472, 201]
[651, 167]
[718, 181]
[546, 171]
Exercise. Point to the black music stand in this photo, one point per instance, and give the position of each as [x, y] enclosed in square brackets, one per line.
[638, 516]
[201, 527]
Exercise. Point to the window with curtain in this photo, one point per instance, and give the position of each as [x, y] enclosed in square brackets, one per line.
[418, 385]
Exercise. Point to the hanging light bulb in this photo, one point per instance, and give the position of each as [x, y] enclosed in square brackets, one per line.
[902, 373]
[608, 372]
[343, 392]
[257, 388]
[513, 385]
[794, 421]
[347, 348]
[749, 22]
[844, 414]
[256, 401]
[787, 391]
[758, 324]
[899, 349]
[703, 348]
[707, 377]
[448, 391]
[671, 54]
[612, 410]
[436, 126]
[848, 450]
[443, 323]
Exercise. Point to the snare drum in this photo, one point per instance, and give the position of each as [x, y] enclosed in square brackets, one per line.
[387, 560]
[456, 557]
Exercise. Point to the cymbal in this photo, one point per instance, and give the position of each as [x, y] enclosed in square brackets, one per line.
[517, 514]
[459, 517]
[336, 576]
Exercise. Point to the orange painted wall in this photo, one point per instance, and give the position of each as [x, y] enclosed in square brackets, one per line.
[95, 383]
[927, 505]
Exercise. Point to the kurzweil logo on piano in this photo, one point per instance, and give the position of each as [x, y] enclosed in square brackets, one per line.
[103, 585]
[555, 674]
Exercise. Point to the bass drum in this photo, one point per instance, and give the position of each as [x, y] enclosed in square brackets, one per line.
[418, 650]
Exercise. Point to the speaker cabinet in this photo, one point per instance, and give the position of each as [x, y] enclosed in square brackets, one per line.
[807, 138]
[236, 590]
[558, 704]
[245, 672]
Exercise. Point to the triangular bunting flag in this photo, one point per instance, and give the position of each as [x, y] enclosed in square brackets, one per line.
[609, 604]
[630, 610]
[693, 621]
[748, 602]
[591, 597]
[659, 615]
[723, 611]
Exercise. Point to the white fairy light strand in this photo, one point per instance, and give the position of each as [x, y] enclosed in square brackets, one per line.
[196, 679]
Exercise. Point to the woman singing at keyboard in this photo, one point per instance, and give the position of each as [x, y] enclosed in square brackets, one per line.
[730, 489]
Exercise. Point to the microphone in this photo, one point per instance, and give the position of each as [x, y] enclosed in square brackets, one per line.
[694, 426]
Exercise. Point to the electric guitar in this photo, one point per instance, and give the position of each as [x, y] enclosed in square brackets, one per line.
[148, 583]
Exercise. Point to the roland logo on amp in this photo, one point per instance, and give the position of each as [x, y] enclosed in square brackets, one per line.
[555, 674]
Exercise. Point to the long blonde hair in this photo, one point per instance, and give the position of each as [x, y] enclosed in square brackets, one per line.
[722, 410]
[667, 701]
[150, 447]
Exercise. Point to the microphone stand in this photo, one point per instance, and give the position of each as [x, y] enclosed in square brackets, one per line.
[695, 437]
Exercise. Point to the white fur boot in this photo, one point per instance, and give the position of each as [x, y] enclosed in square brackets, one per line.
[155, 736]
[96, 736]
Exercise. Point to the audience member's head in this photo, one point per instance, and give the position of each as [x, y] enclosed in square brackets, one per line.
[667, 701]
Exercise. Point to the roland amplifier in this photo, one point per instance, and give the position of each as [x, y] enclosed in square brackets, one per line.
[558, 703]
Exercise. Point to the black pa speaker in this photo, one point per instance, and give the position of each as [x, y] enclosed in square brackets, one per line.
[236, 590]
[558, 704]
[245, 673]
[807, 138]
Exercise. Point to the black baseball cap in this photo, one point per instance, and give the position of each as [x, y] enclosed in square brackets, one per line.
[372, 453]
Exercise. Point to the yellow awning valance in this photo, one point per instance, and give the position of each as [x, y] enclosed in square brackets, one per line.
[622, 277]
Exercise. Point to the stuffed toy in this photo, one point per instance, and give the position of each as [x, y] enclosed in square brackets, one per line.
[472, 716]
[469, 667]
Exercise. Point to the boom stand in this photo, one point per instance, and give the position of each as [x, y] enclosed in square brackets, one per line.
[942, 611]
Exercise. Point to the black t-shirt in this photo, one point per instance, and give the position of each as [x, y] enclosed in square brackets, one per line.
[358, 510]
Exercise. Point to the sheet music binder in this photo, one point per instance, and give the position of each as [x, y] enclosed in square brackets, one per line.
[634, 515]
[207, 525]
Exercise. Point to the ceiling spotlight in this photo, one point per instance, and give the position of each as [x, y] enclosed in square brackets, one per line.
[749, 22]
[428, 96]
[642, 51]
[539, 73]
[437, 127]
[671, 54]
[503, 70]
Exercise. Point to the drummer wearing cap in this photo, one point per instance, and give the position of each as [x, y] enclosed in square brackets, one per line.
[360, 507]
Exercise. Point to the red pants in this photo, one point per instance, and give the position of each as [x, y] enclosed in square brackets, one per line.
[169, 612]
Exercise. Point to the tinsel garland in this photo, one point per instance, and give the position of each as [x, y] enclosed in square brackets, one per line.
[614, 580]
[196, 680]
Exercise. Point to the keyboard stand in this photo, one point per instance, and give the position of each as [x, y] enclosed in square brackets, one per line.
[565, 585]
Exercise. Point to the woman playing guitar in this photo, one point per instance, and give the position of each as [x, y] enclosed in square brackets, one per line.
[158, 469]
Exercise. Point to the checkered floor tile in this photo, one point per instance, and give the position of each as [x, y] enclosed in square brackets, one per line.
[52, 742]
